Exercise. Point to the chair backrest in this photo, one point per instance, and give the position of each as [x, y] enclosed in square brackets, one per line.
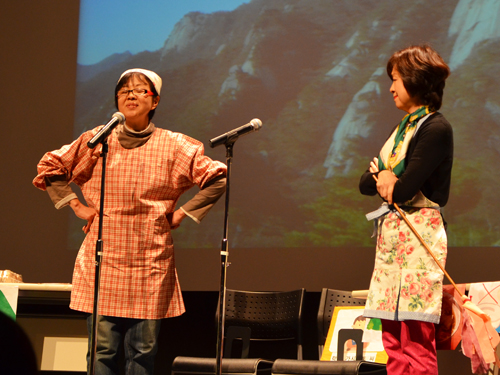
[329, 299]
[270, 316]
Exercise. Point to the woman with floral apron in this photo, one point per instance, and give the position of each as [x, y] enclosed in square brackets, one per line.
[413, 170]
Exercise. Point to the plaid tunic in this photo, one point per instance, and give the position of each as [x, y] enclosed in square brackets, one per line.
[138, 275]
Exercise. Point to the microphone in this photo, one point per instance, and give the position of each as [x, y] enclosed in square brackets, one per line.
[118, 118]
[233, 135]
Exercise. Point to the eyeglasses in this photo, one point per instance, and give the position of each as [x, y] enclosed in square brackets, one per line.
[125, 92]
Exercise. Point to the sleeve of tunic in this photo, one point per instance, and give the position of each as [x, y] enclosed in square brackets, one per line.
[72, 163]
[197, 207]
[59, 191]
[209, 175]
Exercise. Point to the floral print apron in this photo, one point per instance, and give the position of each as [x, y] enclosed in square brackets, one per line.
[407, 283]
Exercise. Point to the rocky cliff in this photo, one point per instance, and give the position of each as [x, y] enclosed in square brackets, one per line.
[314, 72]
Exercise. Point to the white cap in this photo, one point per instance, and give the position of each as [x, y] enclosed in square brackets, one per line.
[155, 78]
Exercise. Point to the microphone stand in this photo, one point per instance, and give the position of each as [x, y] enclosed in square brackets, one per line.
[98, 260]
[224, 253]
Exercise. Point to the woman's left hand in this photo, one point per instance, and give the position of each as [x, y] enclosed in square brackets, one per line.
[176, 218]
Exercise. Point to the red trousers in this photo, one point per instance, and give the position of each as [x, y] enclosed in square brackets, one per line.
[410, 346]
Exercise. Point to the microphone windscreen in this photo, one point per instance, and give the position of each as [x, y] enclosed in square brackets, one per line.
[120, 116]
[257, 124]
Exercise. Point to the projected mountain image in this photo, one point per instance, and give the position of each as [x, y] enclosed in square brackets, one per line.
[314, 72]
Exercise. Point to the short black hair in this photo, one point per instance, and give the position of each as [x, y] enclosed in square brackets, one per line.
[423, 72]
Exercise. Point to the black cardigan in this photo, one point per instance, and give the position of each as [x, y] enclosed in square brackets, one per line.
[427, 165]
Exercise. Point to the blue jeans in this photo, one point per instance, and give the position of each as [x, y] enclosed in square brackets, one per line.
[138, 338]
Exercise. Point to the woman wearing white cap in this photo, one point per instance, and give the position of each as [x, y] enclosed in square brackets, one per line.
[147, 170]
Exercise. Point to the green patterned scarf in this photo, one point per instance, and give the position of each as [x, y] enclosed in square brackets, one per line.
[393, 153]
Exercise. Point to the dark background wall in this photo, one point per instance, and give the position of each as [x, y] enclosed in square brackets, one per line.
[38, 44]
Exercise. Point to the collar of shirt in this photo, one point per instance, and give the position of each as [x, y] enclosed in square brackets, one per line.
[129, 138]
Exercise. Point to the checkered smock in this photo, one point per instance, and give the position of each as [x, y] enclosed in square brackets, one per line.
[143, 184]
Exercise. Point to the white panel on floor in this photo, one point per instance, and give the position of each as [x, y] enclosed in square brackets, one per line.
[64, 354]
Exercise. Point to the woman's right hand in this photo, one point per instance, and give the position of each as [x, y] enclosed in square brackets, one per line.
[83, 212]
[385, 185]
